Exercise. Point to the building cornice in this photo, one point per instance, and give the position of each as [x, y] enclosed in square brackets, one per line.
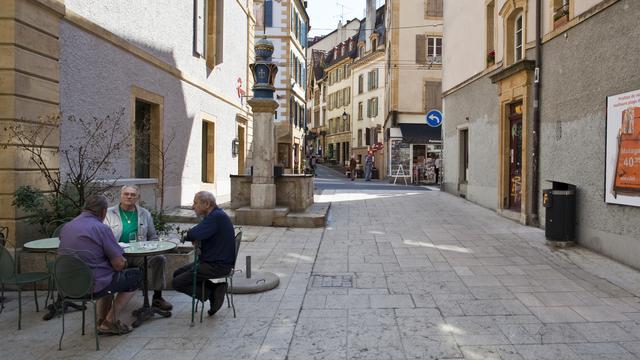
[338, 63]
[512, 69]
[371, 57]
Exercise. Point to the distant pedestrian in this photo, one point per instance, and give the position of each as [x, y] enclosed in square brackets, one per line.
[313, 164]
[368, 166]
[438, 165]
[352, 167]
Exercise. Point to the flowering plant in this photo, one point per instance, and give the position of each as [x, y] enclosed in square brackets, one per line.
[491, 56]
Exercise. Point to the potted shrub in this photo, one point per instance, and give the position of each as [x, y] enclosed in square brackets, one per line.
[491, 57]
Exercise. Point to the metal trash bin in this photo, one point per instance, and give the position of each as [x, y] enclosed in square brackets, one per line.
[560, 218]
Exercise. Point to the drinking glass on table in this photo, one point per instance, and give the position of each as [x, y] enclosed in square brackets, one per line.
[133, 237]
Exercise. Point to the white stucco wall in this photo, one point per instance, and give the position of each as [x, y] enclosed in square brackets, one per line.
[464, 41]
[465, 22]
[96, 79]
[411, 76]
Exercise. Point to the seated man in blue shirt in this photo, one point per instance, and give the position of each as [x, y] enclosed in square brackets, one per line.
[215, 236]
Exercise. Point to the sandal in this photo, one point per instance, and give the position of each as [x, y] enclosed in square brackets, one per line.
[124, 328]
[110, 328]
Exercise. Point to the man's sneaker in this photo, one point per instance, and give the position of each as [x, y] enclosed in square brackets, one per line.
[216, 298]
[162, 304]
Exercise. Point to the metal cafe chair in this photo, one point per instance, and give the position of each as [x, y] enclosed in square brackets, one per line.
[74, 281]
[10, 276]
[228, 279]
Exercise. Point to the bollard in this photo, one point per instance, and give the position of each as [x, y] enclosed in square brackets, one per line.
[248, 270]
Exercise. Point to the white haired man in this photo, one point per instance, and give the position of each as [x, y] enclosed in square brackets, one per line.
[128, 221]
[215, 236]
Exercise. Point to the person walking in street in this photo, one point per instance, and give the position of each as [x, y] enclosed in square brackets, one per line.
[438, 165]
[353, 163]
[313, 164]
[216, 237]
[368, 166]
[130, 221]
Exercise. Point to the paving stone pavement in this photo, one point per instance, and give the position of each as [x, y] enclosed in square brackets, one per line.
[395, 275]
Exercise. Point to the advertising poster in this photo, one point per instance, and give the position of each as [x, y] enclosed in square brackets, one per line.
[622, 181]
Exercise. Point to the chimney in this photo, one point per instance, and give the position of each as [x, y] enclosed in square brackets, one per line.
[340, 32]
[370, 21]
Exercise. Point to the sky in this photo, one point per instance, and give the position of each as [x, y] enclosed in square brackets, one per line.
[325, 14]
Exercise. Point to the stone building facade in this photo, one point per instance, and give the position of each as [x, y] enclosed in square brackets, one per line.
[413, 54]
[179, 70]
[285, 23]
[368, 81]
[500, 149]
[317, 85]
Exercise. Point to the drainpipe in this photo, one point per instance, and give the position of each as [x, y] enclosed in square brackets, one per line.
[535, 179]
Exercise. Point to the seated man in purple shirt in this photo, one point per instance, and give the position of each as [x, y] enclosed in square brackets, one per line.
[92, 241]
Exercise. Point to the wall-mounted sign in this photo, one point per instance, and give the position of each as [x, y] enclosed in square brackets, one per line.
[622, 182]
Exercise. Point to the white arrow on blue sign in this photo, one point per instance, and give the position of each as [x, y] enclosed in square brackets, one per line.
[434, 118]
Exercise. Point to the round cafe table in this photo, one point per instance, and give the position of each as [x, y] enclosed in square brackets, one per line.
[145, 249]
[50, 246]
[42, 245]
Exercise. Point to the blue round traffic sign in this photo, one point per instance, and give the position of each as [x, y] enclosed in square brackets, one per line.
[434, 118]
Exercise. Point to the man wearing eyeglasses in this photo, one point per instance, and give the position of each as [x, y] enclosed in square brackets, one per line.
[131, 222]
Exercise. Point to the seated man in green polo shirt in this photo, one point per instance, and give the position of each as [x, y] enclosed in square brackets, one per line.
[131, 222]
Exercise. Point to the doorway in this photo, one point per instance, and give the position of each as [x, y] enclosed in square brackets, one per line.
[515, 156]
[241, 150]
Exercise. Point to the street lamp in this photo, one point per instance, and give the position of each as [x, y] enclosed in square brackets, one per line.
[345, 116]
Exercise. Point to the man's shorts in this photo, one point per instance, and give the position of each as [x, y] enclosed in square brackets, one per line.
[124, 281]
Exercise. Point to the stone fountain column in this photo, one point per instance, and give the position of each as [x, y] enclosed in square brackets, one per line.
[263, 187]
[261, 210]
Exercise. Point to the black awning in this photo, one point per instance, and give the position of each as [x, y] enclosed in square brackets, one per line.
[420, 133]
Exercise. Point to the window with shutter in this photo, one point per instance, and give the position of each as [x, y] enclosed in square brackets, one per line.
[434, 50]
[214, 28]
[433, 95]
[421, 49]
[367, 138]
[434, 8]
[374, 106]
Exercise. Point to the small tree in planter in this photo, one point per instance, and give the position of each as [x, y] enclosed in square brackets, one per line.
[85, 161]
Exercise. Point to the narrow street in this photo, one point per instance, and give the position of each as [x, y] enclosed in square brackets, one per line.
[404, 274]
[397, 274]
